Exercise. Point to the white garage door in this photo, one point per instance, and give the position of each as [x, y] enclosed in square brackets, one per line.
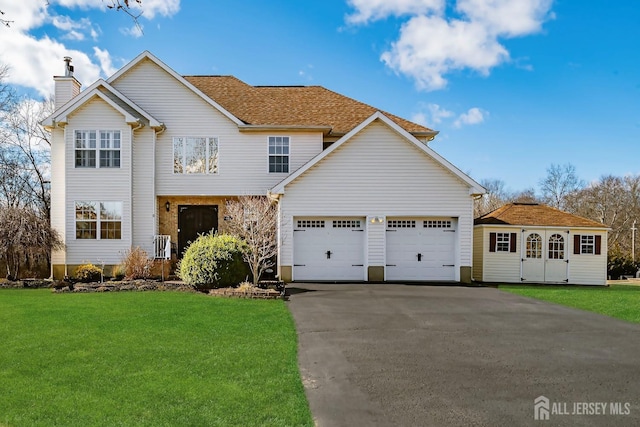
[328, 249]
[421, 249]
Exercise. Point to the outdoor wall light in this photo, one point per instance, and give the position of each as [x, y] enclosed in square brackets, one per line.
[376, 219]
[167, 206]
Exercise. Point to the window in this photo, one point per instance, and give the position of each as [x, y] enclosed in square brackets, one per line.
[99, 220]
[195, 155]
[310, 223]
[503, 242]
[347, 223]
[109, 149]
[587, 244]
[556, 247]
[430, 223]
[534, 246]
[278, 154]
[401, 223]
[87, 150]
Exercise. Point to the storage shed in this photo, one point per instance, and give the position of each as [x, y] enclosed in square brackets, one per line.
[534, 243]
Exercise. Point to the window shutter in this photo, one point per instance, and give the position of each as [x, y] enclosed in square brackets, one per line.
[598, 248]
[492, 242]
[576, 244]
[512, 242]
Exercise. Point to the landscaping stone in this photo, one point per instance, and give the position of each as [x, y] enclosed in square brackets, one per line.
[255, 293]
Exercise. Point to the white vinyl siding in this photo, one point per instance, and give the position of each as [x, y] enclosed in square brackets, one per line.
[378, 173]
[243, 156]
[144, 200]
[97, 184]
[500, 266]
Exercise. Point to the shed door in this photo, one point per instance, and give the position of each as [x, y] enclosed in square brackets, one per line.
[328, 249]
[543, 256]
[533, 253]
[421, 249]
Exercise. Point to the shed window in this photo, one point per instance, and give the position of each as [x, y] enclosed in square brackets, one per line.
[502, 242]
[556, 247]
[534, 246]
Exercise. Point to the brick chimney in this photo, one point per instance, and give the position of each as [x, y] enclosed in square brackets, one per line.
[66, 87]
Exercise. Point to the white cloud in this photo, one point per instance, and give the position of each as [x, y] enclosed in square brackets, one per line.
[372, 10]
[433, 115]
[33, 61]
[432, 44]
[430, 47]
[105, 61]
[135, 31]
[472, 117]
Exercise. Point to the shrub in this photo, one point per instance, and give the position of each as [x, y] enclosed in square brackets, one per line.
[118, 272]
[136, 264]
[214, 261]
[87, 273]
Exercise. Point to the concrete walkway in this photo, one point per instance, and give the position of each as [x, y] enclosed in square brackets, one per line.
[397, 355]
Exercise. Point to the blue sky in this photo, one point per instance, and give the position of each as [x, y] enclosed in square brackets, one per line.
[512, 85]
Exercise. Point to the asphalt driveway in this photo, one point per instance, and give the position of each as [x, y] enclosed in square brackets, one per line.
[378, 355]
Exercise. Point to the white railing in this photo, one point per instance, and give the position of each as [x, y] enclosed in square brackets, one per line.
[162, 246]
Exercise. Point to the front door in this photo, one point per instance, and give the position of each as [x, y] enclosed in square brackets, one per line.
[194, 220]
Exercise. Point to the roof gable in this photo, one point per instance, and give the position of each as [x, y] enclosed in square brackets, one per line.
[101, 89]
[474, 187]
[146, 55]
[534, 214]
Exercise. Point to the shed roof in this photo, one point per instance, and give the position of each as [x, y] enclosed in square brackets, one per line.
[534, 214]
[293, 105]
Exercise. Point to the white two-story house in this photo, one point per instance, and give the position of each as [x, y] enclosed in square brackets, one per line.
[149, 153]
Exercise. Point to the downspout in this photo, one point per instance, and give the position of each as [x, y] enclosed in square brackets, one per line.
[133, 129]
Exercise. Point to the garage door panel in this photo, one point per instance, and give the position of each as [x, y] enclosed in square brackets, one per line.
[329, 249]
[421, 249]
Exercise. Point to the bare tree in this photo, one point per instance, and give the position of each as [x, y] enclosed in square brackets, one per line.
[25, 156]
[254, 219]
[25, 238]
[561, 181]
[528, 195]
[117, 5]
[495, 197]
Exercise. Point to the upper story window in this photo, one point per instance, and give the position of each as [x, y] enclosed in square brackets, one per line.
[195, 155]
[88, 149]
[278, 154]
[99, 220]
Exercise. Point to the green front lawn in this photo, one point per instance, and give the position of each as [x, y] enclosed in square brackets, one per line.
[148, 358]
[620, 301]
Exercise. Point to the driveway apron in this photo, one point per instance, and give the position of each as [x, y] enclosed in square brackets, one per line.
[400, 355]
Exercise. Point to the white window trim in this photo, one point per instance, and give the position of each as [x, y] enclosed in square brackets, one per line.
[98, 220]
[97, 149]
[507, 241]
[206, 172]
[584, 244]
[288, 155]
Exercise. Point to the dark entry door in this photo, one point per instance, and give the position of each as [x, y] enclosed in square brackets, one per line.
[195, 220]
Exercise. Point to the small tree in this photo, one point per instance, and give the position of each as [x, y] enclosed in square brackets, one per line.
[254, 220]
[25, 237]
